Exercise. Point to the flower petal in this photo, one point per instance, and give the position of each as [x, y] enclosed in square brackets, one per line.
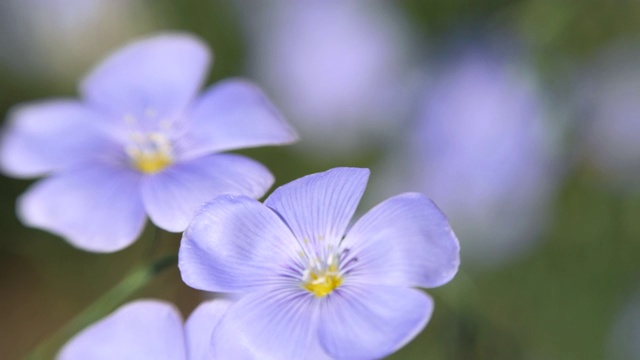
[372, 322]
[162, 73]
[200, 325]
[268, 325]
[405, 240]
[50, 135]
[144, 329]
[235, 114]
[96, 208]
[172, 196]
[320, 206]
[235, 243]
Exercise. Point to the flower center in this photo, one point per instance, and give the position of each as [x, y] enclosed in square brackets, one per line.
[321, 278]
[149, 153]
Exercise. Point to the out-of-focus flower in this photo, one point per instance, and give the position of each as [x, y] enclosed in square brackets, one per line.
[139, 143]
[51, 39]
[148, 329]
[339, 69]
[623, 340]
[481, 148]
[609, 114]
[307, 288]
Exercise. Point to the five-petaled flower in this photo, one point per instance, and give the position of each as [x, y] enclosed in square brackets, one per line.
[147, 330]
[140, 142]
[307, 287]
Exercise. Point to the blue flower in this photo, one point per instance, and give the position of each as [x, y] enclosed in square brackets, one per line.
[482, 148]
[139, 142]
[147, 329]
[341, 84]
[307, 287]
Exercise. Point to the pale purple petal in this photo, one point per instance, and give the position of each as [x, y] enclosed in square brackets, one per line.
[140, 330]
[235, 114]
[268, 325]
[200, 325]
[50, 135]
[320, 206]
[161, 73]
[607, 92]
[96, 207]
[483, 149]
[342, 85]
[235, 243]
[404, 241]
[373, 321]
[171, 197]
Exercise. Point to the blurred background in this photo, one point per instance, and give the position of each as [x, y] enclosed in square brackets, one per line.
[521, 119]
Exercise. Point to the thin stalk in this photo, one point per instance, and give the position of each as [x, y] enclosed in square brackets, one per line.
[156, 234]
[135, 280]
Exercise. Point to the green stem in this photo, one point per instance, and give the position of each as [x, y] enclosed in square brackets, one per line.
[156, 234]
[104, 305]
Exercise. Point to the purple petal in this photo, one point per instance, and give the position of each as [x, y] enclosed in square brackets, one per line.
[320, 206]
[235, 243]
[405, 240]
[200, 325]
[96, 208]
[236, 114]
[268, 325]
[172, 196]
[144, 329]
[373, 321]
[343, 84]
[161, 73]
[50, 135]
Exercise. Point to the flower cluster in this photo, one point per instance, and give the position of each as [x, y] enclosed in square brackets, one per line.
[299, 281]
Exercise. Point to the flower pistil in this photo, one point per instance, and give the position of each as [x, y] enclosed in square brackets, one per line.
[322, 277]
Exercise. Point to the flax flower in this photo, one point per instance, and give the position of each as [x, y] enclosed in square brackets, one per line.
[483, 147]
[147, 329]
[309, 289]
[139, 143]
[340, 84]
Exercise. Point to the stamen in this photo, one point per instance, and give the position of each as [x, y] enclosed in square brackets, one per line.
[322, 277]
[151, 163]
[149, 153]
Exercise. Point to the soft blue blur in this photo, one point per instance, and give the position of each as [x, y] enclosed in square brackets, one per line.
[481, 146]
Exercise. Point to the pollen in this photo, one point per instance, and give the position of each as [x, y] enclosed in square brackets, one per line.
[151, 163]
[149, 153]
[321, 280]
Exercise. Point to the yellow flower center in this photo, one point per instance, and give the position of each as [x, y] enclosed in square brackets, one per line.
[149, 153]
[151, 163]
[322, 279]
